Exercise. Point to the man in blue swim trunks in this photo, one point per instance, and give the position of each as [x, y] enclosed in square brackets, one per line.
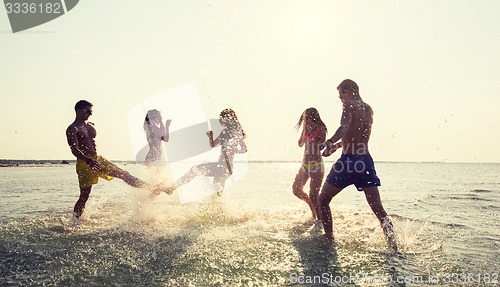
[355, 166]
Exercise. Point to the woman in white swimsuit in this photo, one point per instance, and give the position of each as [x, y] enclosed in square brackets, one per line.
[231, 140]
[156, 132]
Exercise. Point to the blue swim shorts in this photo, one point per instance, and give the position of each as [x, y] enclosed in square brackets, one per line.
[357, 169]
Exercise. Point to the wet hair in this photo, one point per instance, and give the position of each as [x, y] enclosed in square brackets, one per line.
[81, 104]
[151, 114]
[310, 115]
[348, 84]
[231, 120]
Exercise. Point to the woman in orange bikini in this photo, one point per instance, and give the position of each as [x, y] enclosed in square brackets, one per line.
[312, 137]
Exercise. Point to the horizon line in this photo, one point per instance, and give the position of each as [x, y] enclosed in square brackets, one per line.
[64, 161]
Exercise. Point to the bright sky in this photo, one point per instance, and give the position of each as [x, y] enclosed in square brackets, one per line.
[430, 70]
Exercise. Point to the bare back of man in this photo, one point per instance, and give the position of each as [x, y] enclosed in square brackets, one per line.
[357, 134]
[355, 166]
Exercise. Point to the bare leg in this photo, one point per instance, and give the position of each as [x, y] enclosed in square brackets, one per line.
[197, 170]
[154, 153]
[80, 204]
[298, 189]
[314, 188]
[327, 193]
[219, 183]
[136, 182]
[188, 176]
[130, 179]
[373, 198]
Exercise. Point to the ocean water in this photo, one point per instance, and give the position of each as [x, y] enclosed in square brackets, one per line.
[446, 218]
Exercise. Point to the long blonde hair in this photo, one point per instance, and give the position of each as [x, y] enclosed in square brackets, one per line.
[309, 118]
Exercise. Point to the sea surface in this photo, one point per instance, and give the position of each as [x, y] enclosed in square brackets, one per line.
[446, 218]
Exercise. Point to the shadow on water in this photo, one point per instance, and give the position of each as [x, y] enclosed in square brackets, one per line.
[317, 257]
[33, 255]
[347, 264]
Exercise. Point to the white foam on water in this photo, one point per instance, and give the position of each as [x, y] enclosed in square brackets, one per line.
[256, 232]
[221, 240]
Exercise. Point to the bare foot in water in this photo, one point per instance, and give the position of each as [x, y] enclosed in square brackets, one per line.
[391, 236]
[330, 239]
[158, 189]
[168, 189]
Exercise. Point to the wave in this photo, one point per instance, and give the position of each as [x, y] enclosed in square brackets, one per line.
[470, 197]
[482, 190]
[427, 221]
